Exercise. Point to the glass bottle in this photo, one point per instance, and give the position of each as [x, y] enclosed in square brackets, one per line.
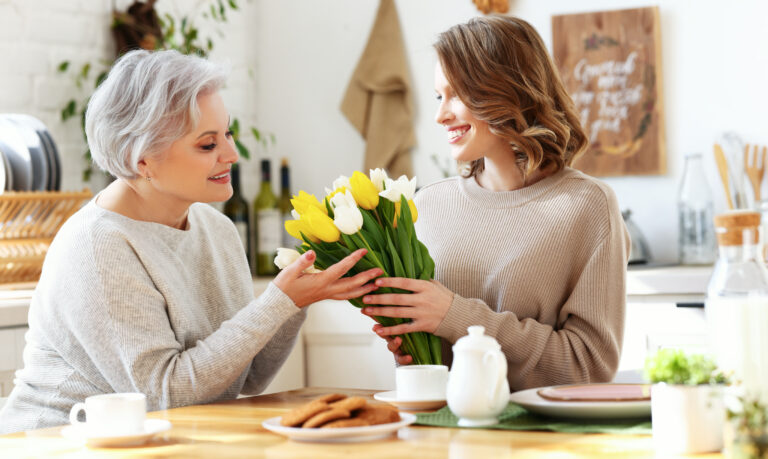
[695, 211]
[268, 224]
[285, 203]
[736, 307]
[236, 208]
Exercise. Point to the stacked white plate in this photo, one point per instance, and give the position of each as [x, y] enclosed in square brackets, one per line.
[29, 160]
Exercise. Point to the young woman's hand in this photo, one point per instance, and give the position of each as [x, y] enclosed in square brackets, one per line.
[305, 289]
[426, 306]
[393, 344]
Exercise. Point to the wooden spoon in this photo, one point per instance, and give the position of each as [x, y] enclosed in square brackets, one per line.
[754, 169]
[722, 167]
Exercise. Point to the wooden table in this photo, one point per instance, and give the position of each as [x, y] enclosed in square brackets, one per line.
[233, 429]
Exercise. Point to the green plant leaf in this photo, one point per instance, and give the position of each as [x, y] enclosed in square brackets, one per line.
[69, 110]
[100, 78]
[234, 126]
[63, 66]
[406, 253]
[256, 134]
[242, 150]
[397, 264]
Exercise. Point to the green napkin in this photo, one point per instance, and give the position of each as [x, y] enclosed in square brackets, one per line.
[515, 417]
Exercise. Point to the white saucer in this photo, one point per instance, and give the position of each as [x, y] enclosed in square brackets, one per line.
[152, 427]
[408, 405]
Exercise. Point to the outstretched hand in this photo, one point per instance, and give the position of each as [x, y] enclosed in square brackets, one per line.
[426, 306]
[305, 288]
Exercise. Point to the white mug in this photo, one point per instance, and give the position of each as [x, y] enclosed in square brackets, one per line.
[421, 382]
[112, 414]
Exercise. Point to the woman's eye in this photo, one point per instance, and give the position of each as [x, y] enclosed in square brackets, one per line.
[209, 147]
[439, 97]
[229, 134]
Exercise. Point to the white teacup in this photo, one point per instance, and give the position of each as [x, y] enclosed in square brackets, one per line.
[112, 414]
[421, 382]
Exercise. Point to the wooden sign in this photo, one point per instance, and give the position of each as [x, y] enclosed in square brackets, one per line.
[610, 63]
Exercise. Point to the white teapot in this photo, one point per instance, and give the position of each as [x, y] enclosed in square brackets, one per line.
[478, 390]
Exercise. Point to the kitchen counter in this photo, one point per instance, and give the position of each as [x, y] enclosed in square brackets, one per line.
[233, 429]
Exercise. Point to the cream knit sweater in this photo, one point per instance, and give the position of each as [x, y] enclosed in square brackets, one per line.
[542, 268]
[131, 306]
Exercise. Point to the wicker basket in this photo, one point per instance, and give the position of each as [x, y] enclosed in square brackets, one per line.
[28, 223]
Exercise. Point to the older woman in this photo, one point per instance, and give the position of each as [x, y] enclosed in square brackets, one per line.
[523, 244]
[145, 289]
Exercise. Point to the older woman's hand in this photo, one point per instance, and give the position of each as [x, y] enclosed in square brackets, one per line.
[305, 288]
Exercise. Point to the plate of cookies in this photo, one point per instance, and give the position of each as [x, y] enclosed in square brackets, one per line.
[338, 418]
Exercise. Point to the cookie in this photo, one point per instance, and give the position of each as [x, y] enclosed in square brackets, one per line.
[377, 414]
[349, 404]
[330, 398]
[326, 416]
[349, 422]
[299, 415]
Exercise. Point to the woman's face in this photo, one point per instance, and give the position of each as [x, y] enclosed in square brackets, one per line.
[469, 137]
[196, 167]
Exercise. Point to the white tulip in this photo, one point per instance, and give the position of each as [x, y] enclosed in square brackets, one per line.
[287, 256]
[342, 181]
[379, 177]
[343, 200]
[400, 187]
[348, 219]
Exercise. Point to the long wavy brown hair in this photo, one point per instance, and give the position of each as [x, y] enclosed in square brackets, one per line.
[500, 69]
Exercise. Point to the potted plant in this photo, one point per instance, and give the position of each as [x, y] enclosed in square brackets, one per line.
[687, 409]
[746, 433]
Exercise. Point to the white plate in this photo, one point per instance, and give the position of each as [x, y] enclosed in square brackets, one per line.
[15, 149]
[36, 153]
[342, 434]
[408, 405]
[48, 147]
[4, 169]
[533, 402]
[152, 427]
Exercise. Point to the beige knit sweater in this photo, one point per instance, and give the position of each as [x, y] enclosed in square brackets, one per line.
[542, 268]
[132, 306]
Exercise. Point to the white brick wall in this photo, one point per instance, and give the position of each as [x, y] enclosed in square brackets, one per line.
[36, 35]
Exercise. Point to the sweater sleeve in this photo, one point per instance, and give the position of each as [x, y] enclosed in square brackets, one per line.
[584, 348]
[273, 355]
[122, 322]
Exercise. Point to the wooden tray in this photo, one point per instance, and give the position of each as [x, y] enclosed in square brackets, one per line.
[28, 222]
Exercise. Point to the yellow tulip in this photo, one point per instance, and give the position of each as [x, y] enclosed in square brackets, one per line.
[320, 224]
[364, 191]
[304, 201]
[296, 227]
[333, 193]
[412, 206]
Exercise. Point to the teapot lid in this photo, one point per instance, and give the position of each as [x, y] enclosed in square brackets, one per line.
[477, 340]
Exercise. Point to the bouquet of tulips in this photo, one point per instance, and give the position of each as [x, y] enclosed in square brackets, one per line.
[375, 213]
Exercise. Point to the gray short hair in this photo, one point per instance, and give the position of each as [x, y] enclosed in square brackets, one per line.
[148, 101]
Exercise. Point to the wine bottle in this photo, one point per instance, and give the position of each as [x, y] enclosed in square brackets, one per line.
[236, 208]
[268, 224]
[285, 203]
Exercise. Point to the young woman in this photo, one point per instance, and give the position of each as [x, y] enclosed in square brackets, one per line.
[145, 289]
[524, 245]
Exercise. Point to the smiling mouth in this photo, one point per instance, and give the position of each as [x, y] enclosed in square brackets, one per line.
[219, 177]
[455, 134]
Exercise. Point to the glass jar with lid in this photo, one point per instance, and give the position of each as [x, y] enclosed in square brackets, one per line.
[737, 302]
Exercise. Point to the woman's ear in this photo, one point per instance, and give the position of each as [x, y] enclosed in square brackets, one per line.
[143, 168]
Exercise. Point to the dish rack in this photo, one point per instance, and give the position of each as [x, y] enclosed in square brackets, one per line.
[28, 222]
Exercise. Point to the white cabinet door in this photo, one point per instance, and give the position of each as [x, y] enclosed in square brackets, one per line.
[343, 351]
